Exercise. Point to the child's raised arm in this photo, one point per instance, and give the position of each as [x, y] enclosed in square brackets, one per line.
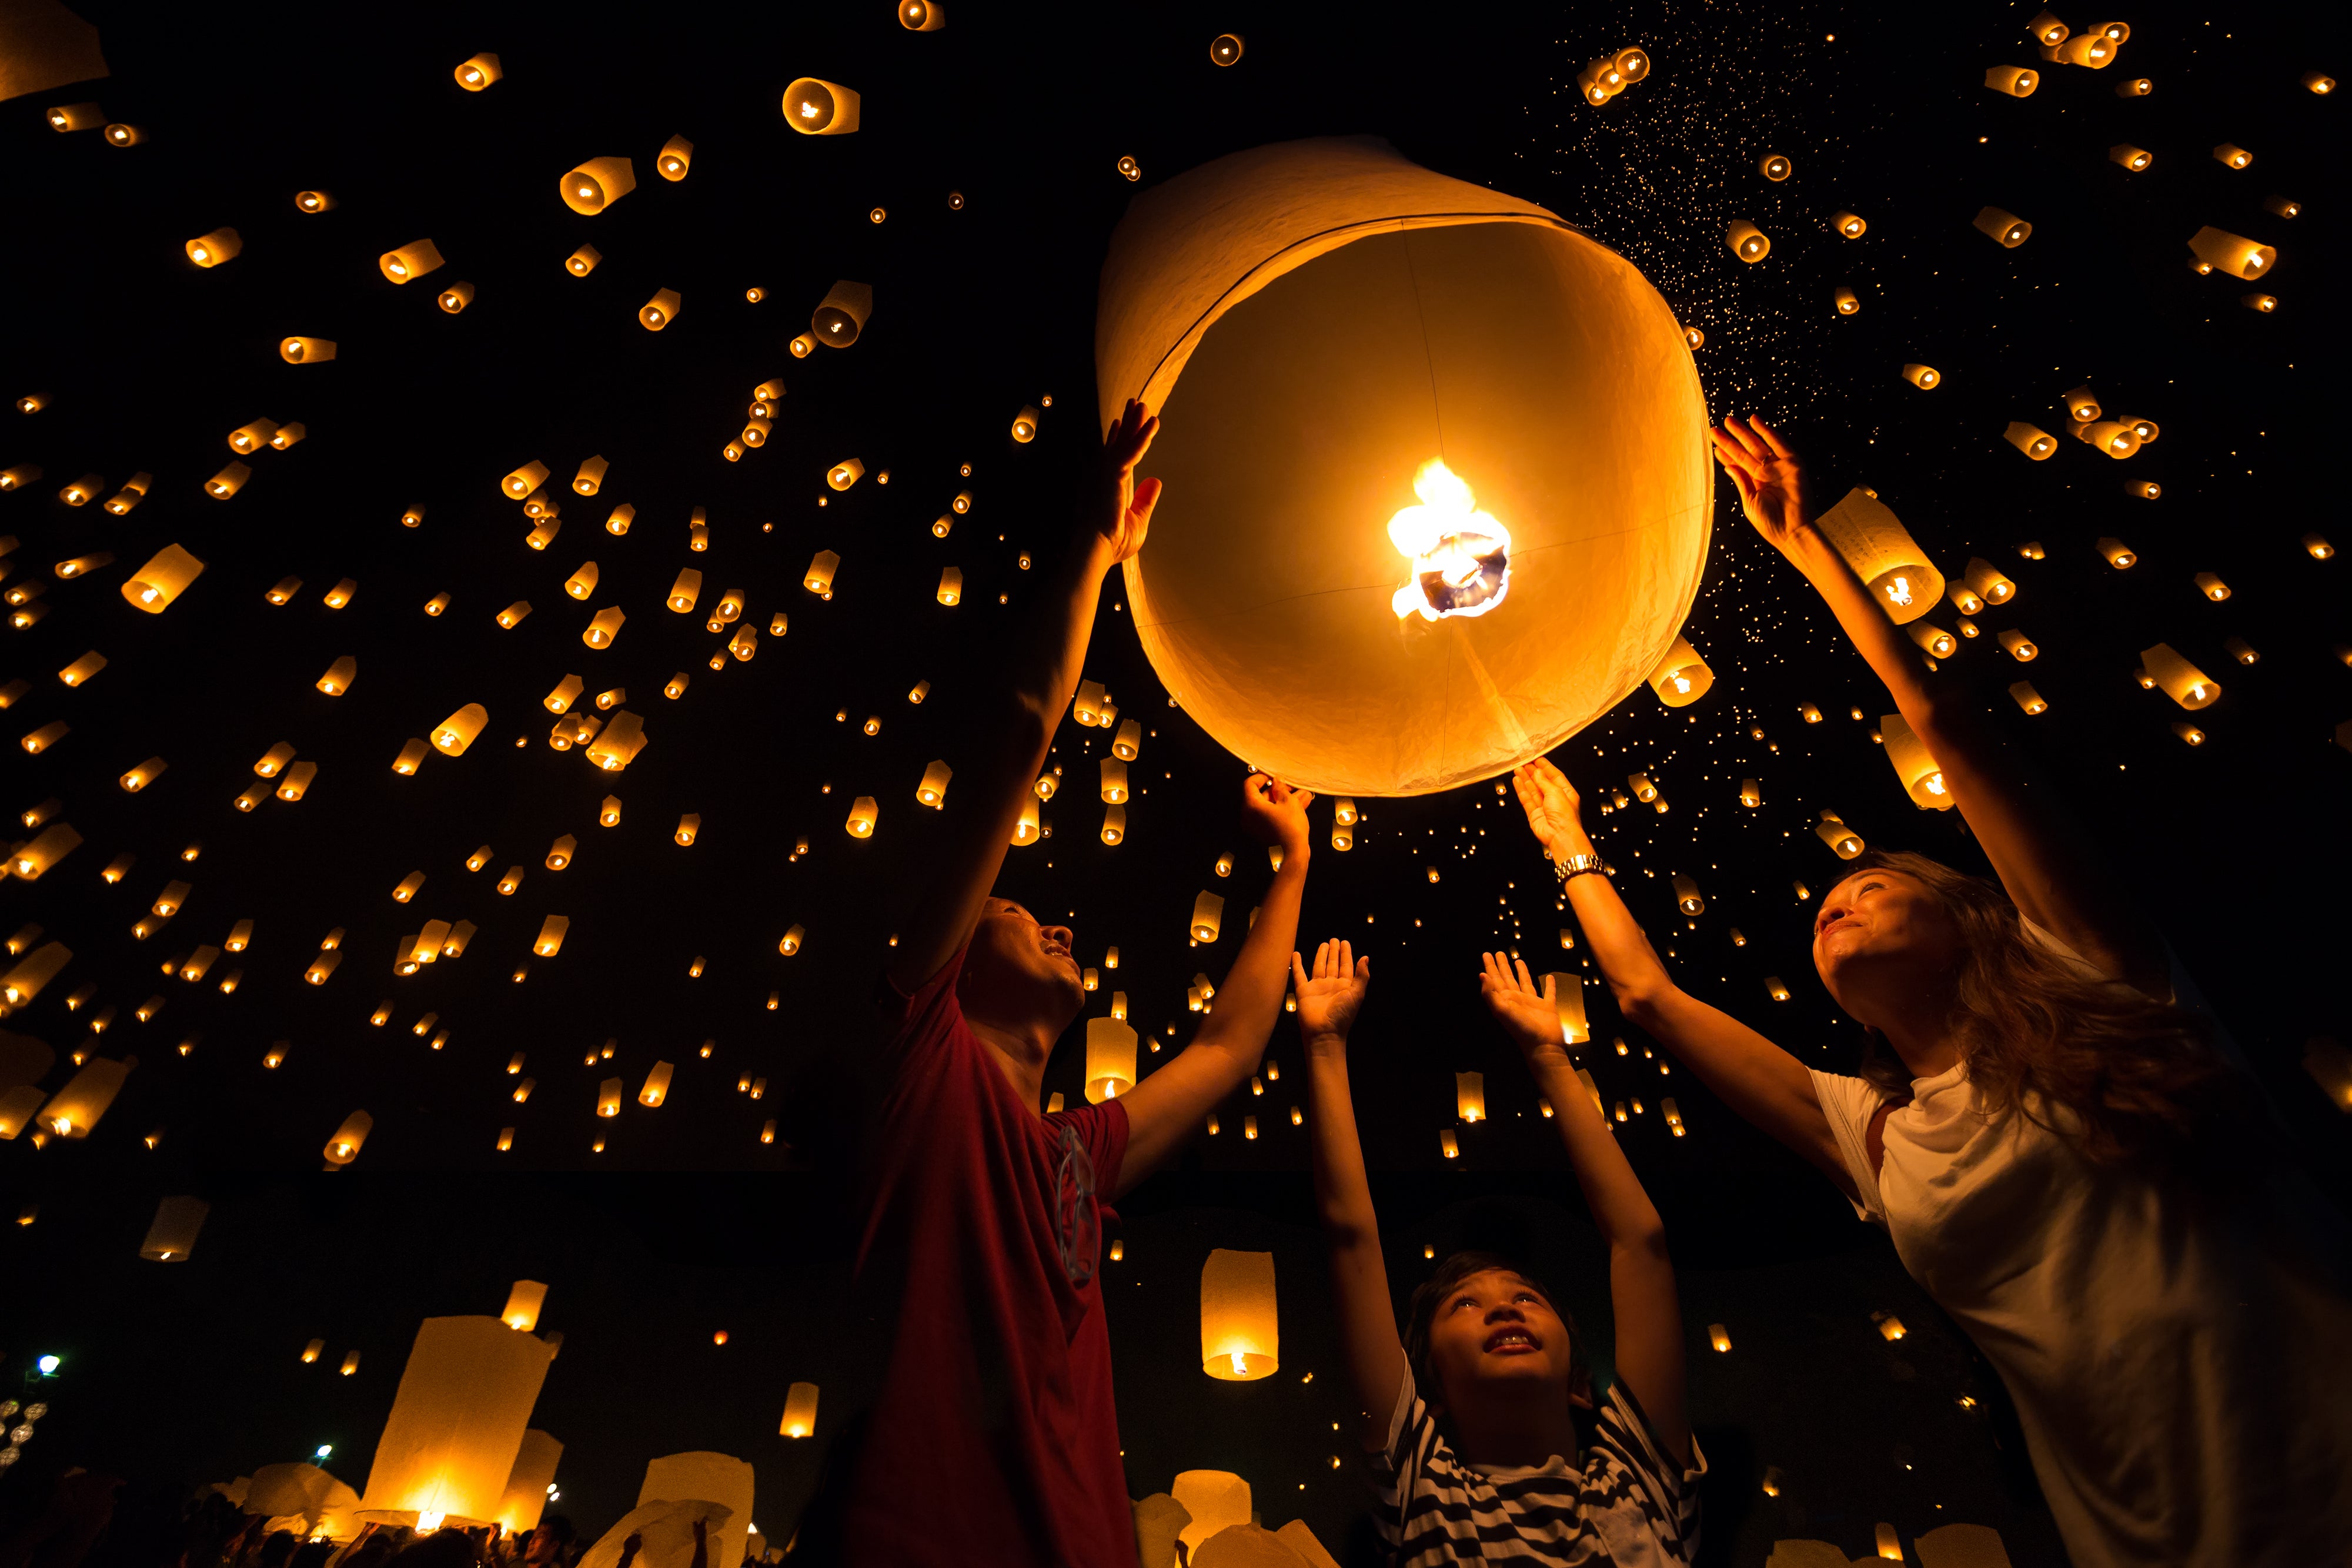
[1328, 1001]
[1640, 1276]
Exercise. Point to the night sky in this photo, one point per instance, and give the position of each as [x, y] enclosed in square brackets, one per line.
[976, 198]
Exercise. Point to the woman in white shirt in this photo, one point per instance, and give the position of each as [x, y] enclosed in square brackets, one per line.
[2060, 1154]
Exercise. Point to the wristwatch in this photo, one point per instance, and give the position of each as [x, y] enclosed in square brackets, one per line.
[1578, 865]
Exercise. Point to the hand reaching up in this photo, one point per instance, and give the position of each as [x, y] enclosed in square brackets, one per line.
[1330, 1000]
[1126, 502]
[1771, 478]
[1525, 1010]
[1553, 807]
[1275, 813]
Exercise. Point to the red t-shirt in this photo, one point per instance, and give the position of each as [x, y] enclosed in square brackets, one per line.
[994, 1438]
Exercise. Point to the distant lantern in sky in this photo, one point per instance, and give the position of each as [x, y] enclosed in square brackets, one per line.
[863, 814]
[1922, 775]
[306, 350]
[1208, 917]
[1848, 224]
[1883, 555]
[1226, 48]
[583, 262]
[2026, 697]
[2034, 442]
[1682, 677]
[1832, 830]
[841, 316]
[2018, 81]
[2181, 681]
[1924, 377]
[922, 15]
[1024, 424]
[2230, 155]
[1240, 1335]
[1748, 242]
[2233, 254]
[677, 158]
[1773, 167]
[799, 1410]
[2132, 158]
[2006, 229]
[411, 261]
[659, 311]
[597, 184]
[164, 579]
[817, 107]
[212, 249]
[479, 72]
[1241, 325]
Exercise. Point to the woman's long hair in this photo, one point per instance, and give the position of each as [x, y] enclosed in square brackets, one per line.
[2124, 1080]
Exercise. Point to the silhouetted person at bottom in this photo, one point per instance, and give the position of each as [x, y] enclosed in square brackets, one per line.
[994, 1438]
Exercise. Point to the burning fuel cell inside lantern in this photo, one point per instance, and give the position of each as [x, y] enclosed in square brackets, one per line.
[1461, 557]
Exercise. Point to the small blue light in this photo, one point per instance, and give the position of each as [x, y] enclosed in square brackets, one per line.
[48, 1366]
[325, 1449]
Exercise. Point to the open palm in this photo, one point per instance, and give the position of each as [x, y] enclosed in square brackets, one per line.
[1128, 501]
[1525, 1008]
[1330, 997]
[1771, 478]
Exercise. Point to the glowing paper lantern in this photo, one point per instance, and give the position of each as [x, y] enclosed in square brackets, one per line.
[1561, 372]
[2217, 251]
[1748, 242]
[817, 107]
[410, 262]
[1924, 377]
[2181, 681]
[212, 249]
[2018, 81]
[551, 932]
[172, 1235]
[1682, 677]
[453, 734]
[1217, 1501]
[2026, 697]
[1922, 776]
[1240, 1338]
[533, 1476]
[1114, 826]
[479, 72]
[819, 577]
[344, 1146]
[1470, 1096]
[2018, 645]
[1845, 302]
[1833, 833]
[457, 1423]
[933, 789]
[1208, 916]
[840, 317]
[164, 579]
[2132, 158]
[1024, 424]
[950, 588]
[2007, 229]
[799, 1410]
[659, 311]
[1773, 167]
[1110, 1058]
[862, 814]
[677, 158]
[1883, 555]
[1225, 49]
[1847, 224]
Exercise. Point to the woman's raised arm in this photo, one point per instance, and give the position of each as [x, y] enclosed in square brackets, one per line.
[1750, 1074]
[2043, 860]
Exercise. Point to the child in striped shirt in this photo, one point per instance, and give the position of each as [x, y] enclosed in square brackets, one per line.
[1468, 1422]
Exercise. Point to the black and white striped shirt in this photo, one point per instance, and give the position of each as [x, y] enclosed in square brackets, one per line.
[1628, 1503]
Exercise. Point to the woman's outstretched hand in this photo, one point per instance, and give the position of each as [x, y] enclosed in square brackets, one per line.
[1126, 505]
[1526, 1010]
[1771, 478]
[1553, 808]
[1329, 999]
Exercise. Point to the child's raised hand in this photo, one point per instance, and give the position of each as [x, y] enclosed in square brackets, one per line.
[1329, 999]
[1526, 1010]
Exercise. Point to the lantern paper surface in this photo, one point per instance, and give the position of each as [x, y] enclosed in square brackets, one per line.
[799, 1410]
[527, 1483]
[1217, 1501]
[172, 1236]
[1883, 555]
[1278, 280]
[523, 1303]
[1110, 1056]
[702, 1476]
[1239, 1338]
[456, 1423]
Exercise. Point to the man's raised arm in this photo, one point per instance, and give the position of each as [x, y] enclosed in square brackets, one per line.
[1027, 708]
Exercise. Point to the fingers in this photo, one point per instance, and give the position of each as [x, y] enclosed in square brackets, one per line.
[1527, 981]
[1771, 439]
[1347, 964]
[1304, 798]
[1298, 973]
[1364, 970]
[1147, 497]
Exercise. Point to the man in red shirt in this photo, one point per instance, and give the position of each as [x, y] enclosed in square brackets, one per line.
[994, 1438]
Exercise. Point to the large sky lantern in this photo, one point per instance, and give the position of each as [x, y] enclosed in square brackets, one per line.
[1438, 488]
[528, 1482]
[704, 1477]
[457, 1423]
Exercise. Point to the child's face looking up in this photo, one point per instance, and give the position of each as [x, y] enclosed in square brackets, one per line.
[1496, 1337]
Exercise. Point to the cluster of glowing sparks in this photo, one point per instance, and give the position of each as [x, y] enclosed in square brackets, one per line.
[1461, 557]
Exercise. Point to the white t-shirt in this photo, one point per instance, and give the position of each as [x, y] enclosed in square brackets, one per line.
[1628, 1503]
[2187, 1400]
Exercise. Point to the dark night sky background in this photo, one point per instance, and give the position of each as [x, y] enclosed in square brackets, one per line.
[685, 1222]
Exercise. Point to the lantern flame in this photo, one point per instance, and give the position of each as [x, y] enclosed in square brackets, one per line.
[1461, 555]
